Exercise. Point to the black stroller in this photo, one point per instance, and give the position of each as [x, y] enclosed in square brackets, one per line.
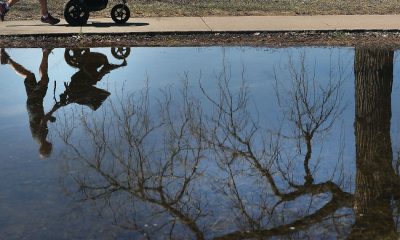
[76, 12]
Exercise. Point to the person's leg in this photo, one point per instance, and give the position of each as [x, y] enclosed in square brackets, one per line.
[43, 69]
[11, 2]
[19, 69]
[46, 17]
[4, 57]
[5, 6]
[43, 7]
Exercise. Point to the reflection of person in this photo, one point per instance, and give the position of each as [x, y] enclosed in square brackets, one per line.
[92, 68]
[36, 91]
[46, 17]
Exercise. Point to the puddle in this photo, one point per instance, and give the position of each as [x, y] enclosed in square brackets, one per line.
[199, 143]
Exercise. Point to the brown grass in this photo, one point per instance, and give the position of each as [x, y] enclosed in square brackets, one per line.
[29, 9]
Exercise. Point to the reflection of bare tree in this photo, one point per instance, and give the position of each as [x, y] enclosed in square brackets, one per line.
[140, 164]
[375, 175]
[311, 107]
[141, 159]
[312, 110]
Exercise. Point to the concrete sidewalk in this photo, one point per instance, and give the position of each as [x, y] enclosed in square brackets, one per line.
[210, 24]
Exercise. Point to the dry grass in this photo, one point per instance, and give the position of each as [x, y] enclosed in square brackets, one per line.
[28, 9]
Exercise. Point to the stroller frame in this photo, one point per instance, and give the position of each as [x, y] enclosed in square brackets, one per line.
[76, 12]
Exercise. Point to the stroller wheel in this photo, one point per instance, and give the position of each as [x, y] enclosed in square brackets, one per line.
[120, 52]
[120, 13]
[75, 14]
[73, 56]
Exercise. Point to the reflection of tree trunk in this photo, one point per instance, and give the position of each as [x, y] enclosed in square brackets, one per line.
[373, 87]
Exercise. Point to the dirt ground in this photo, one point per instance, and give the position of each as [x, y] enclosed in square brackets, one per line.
[289, 39]
[29, 9]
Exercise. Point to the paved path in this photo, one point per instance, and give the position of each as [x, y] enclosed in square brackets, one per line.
[210, 24]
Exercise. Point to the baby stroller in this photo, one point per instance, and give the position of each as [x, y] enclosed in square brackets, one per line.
[76, 12]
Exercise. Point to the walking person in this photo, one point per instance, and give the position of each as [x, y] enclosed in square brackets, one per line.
[46, 17]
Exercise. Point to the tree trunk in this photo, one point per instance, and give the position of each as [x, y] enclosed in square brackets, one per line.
[373, 86]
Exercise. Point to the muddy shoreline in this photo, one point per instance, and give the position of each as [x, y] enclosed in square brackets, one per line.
[386, 39]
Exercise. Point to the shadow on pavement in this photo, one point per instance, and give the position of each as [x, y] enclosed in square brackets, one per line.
[36, 25]
[111, 24]
[92, 24]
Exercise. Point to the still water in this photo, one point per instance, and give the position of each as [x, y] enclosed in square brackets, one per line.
[199, 143]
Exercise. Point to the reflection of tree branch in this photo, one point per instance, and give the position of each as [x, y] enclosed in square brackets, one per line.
[231, 121]
[312, 108]
[132, 168]
[184, 218]
[311, 111]
[339, 200]
[240, 201]
[157, 161]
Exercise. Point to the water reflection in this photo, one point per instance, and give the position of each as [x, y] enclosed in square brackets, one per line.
[80, 89]
[35, 91]
[93, 66]
[200, 162]
[193, 172]
[376, 180]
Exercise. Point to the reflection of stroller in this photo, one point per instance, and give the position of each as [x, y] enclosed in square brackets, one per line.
[90, 96]
[75, 57]
[76, 12]
[93, 66]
